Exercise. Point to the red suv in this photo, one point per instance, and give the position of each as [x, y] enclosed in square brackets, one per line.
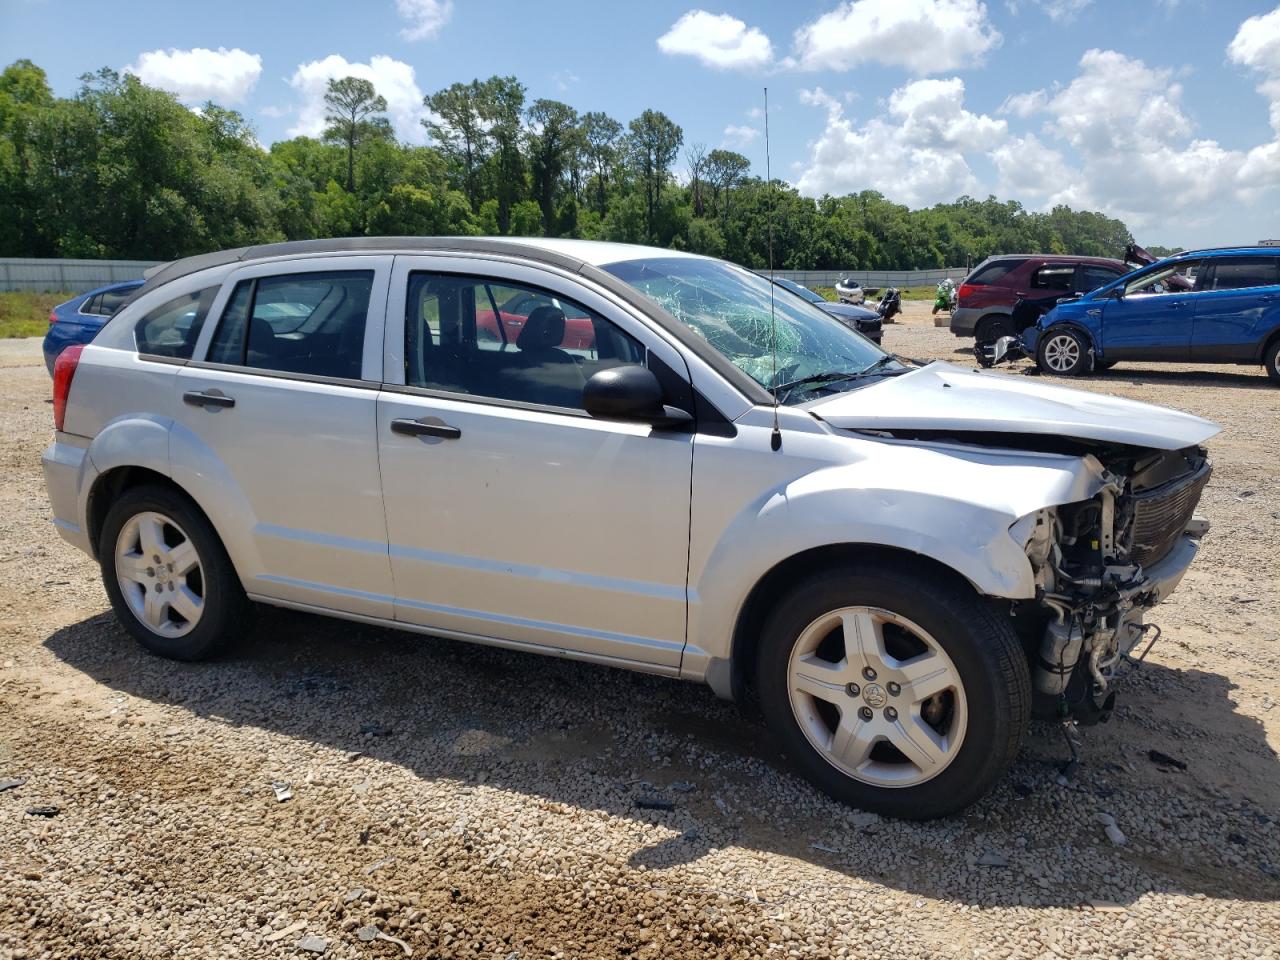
[986, 299]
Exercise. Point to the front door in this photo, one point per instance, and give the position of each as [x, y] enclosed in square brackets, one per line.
[1153, 318]
[276, 430]
[511, 513]
[1239, 306]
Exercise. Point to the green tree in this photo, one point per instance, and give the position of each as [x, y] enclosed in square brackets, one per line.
[603, 136]
[654, 141]
[551, 140]
[459, 128]
[352, 118]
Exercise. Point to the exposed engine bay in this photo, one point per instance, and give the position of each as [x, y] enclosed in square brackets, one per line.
[1099, 566]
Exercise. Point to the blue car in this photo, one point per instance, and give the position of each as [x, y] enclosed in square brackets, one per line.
[80, 318]
[1209, 306]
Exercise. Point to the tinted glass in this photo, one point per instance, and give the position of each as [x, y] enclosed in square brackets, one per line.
[506, 342]
[171, 329]
[310, 323]
[110, 301]
[1092, 277]
[1172, 278]
[1241, 274]
[1053, 276]
[993, 272]
[774, 339]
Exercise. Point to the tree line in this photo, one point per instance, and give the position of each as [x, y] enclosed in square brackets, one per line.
[123, 170]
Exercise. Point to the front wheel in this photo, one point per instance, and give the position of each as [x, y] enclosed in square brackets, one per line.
[892, 691]
[1271, 360]
[1063, 352]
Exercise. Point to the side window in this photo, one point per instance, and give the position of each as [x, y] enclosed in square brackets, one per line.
[506, 342]
[994, 272]
[310, 323]
[1053, 276]
[1240, 274]
[1091, 277]
[110, 301]
[171, 329]
[91, 306]
[1175, 278]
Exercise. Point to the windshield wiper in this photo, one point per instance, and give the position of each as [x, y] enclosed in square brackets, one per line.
[837, 376]
[884, 361]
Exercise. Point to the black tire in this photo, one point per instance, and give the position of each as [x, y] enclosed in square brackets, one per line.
[1101, 366]
[982, 646]
[226, 611]
[1055, 355]
[990, 329]
[1271, 360]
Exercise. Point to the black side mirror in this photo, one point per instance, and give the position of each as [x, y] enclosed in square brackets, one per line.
[630, 392]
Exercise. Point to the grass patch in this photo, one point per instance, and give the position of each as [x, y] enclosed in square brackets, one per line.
[24, 314]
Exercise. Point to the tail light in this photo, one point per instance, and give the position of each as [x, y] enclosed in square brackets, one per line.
[64, 368]
[53, 318]
[966, 290]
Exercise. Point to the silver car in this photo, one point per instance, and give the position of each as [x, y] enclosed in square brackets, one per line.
[633, 457]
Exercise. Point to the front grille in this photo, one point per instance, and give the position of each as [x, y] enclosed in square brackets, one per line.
[1161, 514]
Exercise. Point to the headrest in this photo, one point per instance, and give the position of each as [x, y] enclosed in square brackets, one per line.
[543, 329]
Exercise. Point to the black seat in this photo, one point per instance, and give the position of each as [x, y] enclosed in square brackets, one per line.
[540, 338]
[540, 372]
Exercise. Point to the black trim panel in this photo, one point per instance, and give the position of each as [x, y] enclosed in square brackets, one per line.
[284, 375]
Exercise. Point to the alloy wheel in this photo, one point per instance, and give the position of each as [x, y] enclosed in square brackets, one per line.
[877, 696]
[160, 574]
[1062, 353]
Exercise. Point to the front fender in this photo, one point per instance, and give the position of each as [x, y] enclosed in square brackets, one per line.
[952, 504]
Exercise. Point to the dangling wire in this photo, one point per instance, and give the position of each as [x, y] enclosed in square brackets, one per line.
[775, 439]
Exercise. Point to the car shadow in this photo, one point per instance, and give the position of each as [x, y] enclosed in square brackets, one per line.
[670, 753]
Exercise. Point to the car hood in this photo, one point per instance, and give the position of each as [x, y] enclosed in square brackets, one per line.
[847, 311]
[943, 397]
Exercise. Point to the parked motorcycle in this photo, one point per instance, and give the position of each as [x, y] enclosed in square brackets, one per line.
[890, 304]
[849, 291]
[945, 298]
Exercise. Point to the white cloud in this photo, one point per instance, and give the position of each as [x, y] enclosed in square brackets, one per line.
[1257, 45]
[923, 36]
[736, 137]
[225, 76]
[718, 40]
[1024, 104]
[426, 17]
[1060, 11]
[914, 154]
[393, 79]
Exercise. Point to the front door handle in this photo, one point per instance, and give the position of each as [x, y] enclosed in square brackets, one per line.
[199, 398]
[426, 427]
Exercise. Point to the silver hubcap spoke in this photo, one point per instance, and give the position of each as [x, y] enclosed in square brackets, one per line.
[886, 720]
[160, 574]
[1061, 353]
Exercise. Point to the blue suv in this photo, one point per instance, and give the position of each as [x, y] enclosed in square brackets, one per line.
[80, 318]
[1212, 306]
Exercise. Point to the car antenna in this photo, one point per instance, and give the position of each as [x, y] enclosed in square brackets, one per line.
[775, 439]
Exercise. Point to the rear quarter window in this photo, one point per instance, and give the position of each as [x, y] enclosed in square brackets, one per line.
[171, 329]
[994, 273]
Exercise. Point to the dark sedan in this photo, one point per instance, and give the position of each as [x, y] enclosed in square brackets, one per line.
[865, 321]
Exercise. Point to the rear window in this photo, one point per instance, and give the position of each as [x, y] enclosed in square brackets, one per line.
[994, 272]
[1242, 274]
[171, 329]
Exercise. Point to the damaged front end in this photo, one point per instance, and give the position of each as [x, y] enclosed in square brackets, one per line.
[1099, 566]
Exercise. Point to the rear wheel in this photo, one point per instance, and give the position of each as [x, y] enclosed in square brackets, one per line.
[1271, 360]
[991, 329]
[894, 692]
[1063, 352]
[168, 577]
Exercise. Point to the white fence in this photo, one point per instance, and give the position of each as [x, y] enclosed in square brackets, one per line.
[73, 276]
[77, 276]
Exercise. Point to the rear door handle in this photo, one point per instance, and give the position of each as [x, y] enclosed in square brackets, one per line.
[426, 427]
[198, 398]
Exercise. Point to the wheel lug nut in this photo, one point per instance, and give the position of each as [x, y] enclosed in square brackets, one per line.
[890, 713]
[852, 689]
[894, 689]
[868, 673]
[156, 558]
[865, 713]
[151, 571]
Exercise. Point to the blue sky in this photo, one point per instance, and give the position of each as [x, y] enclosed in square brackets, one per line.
[1165, 113]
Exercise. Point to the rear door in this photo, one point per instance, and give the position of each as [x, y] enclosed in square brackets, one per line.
[1238, 306]
[511, 513]
[275, 430]
[1150, 321]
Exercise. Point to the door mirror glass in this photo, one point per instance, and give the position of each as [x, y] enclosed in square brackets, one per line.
[630, 393]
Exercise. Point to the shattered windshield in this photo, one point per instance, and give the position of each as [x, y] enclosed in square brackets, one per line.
[730, 308]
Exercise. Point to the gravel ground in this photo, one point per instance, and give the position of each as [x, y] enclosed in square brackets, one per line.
[474, 802]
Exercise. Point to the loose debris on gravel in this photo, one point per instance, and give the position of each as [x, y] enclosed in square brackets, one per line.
[454, 801]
